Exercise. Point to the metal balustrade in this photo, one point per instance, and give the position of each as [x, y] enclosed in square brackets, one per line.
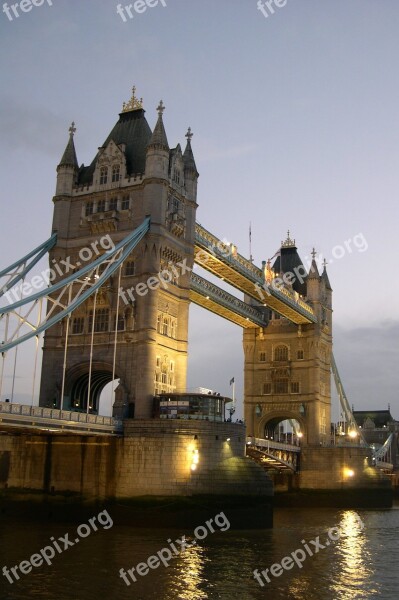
[38, 417]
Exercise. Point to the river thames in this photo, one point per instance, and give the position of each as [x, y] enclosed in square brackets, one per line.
[362, 563]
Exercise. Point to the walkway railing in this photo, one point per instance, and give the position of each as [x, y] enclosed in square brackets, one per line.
[223, 298]
[38, 417]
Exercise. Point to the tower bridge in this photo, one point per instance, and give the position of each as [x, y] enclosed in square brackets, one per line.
[142, 194]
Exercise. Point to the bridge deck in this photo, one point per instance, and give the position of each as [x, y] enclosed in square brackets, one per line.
[55, 420]
[213, 298]
[223, 261]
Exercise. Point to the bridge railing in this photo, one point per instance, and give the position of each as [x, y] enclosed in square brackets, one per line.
[55, 414]
[267, 444]
[203, 286]
[227, 251]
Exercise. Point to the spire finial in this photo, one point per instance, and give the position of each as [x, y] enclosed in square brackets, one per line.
[325, 263]
[160, 108]
[72, 129]
[189, 134]
[314, 253]
[289, 243]
[134, 103]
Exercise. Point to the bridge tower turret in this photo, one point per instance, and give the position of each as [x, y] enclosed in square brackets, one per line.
[287, 366]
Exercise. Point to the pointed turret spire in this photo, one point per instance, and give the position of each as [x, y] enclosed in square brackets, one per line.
[69, 158]
[325, 278]
[314, 271]
[158, 138]
[188, 156]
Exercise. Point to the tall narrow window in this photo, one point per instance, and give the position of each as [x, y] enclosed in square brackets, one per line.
[101, 321]
[125, 203]
[300, 355]
[113, 204]
[78, 325]
[267, 388]
[103, 175]
[262, 357]
[115, 173]
[89, 209]
[129, 268]
[101, 206]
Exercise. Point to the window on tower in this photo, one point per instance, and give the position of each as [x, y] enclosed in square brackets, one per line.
[103, 175]
[267, 388]
[101, 206]
[281, 354]
[89, 208]
[116, 170]
[78, 325]
[281, 386]
[101, 320]
[176, 176]
[129, 268]
[294, 387]
[125, 203]
[113, 204]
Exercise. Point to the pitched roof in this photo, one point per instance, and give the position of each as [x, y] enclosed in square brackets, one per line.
[188, 158]
[131, 129]
[288, 262]
[379, 417]
[69, 158]
[158, 138]
[326, 280]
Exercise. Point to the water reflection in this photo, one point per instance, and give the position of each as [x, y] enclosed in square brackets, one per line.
[353, 569]
[185, 584]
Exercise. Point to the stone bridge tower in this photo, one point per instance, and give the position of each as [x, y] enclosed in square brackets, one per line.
[134, 174]
[287, 367]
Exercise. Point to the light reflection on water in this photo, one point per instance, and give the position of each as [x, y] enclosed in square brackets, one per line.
[361, 564]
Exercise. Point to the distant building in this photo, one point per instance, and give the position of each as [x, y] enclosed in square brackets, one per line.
[377, 426]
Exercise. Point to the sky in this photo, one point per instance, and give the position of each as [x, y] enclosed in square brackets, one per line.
[296, 126]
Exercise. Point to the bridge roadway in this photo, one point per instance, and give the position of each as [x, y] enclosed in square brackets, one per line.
[274, 455]
[225, 262]
[38, 419]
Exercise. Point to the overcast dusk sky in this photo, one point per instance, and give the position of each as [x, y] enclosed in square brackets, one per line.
[296, 126]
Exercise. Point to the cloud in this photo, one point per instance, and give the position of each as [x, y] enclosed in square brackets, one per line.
[31, 128]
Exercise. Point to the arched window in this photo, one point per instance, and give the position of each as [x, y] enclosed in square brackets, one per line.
[176, 175]
[129, 268]
[165, 326]
[101, 320]
[281, 353]
[116, 170]
[103, 175]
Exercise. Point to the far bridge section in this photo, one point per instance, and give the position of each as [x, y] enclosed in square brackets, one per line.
[36, 419]
[274, 456]
[225, 262]
[213, 298]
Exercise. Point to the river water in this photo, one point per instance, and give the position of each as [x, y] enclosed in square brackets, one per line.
[362, 563]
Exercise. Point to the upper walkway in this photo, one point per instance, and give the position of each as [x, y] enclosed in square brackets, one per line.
[225, 262]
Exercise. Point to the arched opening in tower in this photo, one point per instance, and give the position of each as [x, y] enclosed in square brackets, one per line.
[93, 386]
[281, 429]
